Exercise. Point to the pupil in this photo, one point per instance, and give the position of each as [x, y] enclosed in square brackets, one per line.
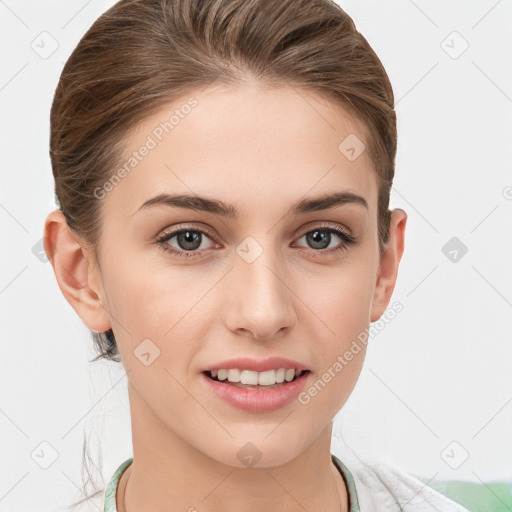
[189, 240]
[318, 238]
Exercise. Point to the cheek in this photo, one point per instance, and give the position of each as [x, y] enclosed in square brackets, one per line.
[342, 301]
[341, 335]
[138, 301]
[162, 306]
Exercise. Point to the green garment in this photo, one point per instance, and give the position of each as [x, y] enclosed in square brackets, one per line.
[485, 497]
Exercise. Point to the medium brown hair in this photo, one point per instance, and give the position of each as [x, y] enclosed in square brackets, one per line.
[140, 54]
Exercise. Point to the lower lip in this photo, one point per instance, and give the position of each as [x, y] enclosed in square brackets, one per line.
[257, 400]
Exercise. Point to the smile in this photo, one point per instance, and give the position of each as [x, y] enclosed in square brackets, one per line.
[241, 391]
[253, 378]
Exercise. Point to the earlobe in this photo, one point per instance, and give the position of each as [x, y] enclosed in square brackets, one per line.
[389, 262]
[74, 272]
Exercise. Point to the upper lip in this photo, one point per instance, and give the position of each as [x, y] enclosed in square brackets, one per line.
[247, 363]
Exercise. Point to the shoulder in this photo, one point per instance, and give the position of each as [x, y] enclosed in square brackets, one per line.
[391, 487]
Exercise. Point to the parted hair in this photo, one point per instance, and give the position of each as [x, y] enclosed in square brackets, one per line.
[141, 54]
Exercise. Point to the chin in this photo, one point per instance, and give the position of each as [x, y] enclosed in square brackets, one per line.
[258, 452]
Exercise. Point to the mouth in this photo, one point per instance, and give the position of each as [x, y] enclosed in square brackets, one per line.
[256, 386]
[249, 379]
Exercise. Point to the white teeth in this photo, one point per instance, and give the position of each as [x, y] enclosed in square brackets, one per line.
[234, 375]
[248, 377]
[289, 375]
[267, 378]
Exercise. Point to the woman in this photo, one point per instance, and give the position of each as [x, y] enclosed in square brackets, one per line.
[222, 171]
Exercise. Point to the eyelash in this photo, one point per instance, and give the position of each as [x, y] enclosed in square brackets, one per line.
[347, 241]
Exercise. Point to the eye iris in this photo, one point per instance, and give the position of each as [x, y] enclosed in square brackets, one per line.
[185, 238]
[315, 239]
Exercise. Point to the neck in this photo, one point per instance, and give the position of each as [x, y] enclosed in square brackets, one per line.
[167, 471]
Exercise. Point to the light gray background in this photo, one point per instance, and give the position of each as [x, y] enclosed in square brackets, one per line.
[436, 387]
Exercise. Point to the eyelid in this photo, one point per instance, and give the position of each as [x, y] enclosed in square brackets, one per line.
[345, 234]
[319, 224]
[184, 227]
[203, 227]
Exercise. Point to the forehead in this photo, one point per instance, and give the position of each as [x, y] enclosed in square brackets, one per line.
[256, 146]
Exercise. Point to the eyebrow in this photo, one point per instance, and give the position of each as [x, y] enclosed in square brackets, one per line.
[203, 204]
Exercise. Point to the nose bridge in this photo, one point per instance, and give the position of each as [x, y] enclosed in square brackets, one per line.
[261, 299]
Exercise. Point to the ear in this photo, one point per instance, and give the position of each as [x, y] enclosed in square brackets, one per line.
[77, 272]
[389, 261]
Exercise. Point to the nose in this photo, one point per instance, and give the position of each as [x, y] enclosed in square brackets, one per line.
[260, 298]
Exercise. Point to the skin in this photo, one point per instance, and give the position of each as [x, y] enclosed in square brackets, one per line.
[261, 150]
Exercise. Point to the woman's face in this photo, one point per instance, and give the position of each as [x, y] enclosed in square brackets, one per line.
[256, 278]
